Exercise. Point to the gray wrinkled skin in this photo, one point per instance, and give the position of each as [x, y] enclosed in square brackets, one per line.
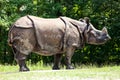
[52, 37]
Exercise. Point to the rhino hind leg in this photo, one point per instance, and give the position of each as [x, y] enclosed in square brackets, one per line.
[20, 59]
[22, 65]
[57, 59]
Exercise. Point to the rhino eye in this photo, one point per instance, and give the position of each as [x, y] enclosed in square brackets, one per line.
[105, 35]
[98, 34]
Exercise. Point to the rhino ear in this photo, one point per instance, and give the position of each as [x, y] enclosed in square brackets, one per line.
[104, 30]
[87, 20]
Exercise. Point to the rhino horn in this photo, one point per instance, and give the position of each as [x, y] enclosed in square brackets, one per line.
[104, 30]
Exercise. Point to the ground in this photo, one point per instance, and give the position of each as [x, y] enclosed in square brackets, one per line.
[92, 73]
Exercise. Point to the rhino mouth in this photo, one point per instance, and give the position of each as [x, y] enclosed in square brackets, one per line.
[99, 41]
[102, 41]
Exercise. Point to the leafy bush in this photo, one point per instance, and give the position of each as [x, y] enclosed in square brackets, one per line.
[102, 13]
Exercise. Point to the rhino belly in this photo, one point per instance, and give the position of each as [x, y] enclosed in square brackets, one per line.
[50, 44]
[48, 50]
[46, 53]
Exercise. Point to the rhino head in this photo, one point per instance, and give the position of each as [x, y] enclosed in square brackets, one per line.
[94, 36]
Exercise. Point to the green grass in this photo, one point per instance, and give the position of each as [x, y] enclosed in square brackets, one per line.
[45, 73]
[15, 68]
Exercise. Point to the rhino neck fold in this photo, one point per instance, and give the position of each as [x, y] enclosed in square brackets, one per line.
[85, 34]
[81, 36]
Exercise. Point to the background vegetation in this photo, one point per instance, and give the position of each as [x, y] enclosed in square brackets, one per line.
[102, 13]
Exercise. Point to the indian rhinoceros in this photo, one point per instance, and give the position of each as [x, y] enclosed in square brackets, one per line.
[53, 36]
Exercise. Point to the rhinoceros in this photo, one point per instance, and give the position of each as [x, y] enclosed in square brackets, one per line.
[52, 36]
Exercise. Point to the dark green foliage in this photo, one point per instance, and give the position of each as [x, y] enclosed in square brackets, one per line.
[102, 13]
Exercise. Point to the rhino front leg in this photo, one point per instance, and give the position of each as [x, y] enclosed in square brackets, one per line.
[68, 57]
[20, 59]
[57, 59]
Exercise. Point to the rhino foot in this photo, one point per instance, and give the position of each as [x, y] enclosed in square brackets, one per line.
[69, 67]
[55, 68]
[24, 68]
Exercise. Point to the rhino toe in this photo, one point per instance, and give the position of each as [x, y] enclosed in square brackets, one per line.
[55, 68]
[69, 67]
[23, 68]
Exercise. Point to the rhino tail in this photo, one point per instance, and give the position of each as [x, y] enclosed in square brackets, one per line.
[10, 36]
